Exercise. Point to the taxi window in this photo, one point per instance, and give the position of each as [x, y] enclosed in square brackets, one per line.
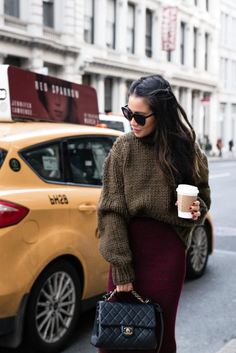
[3, 154]
[86, 158]
[45, 160]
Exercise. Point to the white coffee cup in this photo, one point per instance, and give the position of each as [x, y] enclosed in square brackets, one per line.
[186, 195]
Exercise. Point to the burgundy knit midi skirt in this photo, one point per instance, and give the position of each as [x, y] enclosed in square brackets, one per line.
[159, 264]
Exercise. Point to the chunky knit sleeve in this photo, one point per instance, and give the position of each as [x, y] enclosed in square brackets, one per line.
[203, 196]
[203, 186]
[204, 190]
[113, 217]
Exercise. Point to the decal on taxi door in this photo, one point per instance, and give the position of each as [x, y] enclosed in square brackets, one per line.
[58, 199]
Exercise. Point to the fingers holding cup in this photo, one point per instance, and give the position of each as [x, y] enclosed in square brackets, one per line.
[196, 215]
[187, 201]
[195, 207]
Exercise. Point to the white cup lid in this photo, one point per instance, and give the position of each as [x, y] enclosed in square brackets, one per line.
[185, 189]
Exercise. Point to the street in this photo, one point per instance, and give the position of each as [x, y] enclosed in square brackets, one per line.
[206, 319]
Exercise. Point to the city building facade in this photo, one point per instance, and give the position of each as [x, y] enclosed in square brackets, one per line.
[226, 119]
[42, 36]
[109, 43]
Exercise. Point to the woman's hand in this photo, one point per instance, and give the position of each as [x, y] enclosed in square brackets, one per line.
[195, 210]
[124, 287]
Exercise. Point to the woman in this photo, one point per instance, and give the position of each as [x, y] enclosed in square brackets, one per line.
[141, 235]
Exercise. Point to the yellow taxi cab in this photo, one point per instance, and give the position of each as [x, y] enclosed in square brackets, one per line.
[50, 179]
[50, 183]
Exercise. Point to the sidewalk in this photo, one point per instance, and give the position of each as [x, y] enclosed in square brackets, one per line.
[226, 156]
[230, 347]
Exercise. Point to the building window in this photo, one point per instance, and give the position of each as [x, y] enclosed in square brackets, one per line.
[221, 70]
[233, 119]
[130, 28]
[222, 119]
[226, 64]
[206, 50]
[149, 33]
[13, 60]
[195, 35]
[222, 21]
[233, 109]
[111, 24]
[182, 42]
[233, 75]
[234, 31]
[222, 108]
[192, 109]
[87, 80]
[48, 13]
[108, 94]
[128, 84]
[182, 97]
[169, 55]
[226, 30]
[89, 21]
[52, 69]
[11, 8]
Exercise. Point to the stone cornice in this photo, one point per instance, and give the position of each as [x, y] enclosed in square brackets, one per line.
[194, 81]
[117, 68]
[29, 41]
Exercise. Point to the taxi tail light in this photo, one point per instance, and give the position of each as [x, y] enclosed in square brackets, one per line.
[11, 213]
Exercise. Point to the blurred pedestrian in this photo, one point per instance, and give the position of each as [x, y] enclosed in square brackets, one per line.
[141, 235]
[219, 145]
[231, 145]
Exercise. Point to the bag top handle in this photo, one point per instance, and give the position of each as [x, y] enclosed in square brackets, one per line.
[111, 294]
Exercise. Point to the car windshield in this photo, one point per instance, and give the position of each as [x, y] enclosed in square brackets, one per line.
[3, 154]
[116, 125]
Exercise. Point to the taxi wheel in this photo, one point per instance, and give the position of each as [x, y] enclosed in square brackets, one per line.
[53, 308]
[197, 255]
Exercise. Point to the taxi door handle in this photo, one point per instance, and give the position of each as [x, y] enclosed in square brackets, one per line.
[87, 208]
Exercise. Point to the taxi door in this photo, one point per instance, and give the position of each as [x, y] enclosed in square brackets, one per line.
[85, 156]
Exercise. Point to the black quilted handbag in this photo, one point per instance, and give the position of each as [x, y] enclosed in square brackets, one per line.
[128, 326]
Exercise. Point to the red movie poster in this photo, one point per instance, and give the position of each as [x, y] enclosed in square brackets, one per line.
[40, 97]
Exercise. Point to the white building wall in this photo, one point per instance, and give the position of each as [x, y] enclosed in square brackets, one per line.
[180, 76]
[62, 51]
[225, 122]
[37, 46]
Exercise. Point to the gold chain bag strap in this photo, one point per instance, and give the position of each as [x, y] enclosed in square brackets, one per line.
[128, 326]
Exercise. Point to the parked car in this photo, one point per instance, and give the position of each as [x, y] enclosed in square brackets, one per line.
[50, 265]
[115, 122]
[202, 245]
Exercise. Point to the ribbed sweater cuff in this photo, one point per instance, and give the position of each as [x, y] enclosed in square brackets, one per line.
[122, 274]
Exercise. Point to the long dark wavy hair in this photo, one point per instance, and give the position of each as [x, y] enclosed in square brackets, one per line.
[174, 137]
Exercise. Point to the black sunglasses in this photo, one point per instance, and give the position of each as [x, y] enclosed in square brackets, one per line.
[138, 117]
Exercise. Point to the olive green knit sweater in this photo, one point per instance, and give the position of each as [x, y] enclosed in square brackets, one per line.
[134, 185]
